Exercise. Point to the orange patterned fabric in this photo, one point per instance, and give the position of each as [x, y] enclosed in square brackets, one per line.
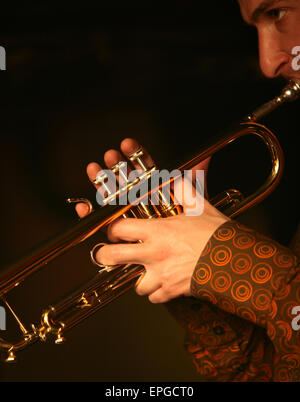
[223, 346]
[239, 321]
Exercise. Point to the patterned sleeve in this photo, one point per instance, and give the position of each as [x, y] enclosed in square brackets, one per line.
[256, 279]
[222, 346]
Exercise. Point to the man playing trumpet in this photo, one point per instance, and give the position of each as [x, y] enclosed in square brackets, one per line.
[235, 291]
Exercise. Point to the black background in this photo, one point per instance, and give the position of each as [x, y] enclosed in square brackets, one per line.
[82, 76]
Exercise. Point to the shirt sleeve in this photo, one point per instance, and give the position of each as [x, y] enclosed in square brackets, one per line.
[222, 346]
[254, 278]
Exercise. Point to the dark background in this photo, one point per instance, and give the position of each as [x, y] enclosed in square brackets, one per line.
[80, 78]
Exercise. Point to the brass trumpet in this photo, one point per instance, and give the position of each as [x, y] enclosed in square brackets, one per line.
[111, 282]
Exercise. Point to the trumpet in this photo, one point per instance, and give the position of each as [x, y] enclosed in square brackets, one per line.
[111, 282]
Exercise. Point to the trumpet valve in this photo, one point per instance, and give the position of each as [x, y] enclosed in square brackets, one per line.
[121, 169]
[136, 156]
[101, 179]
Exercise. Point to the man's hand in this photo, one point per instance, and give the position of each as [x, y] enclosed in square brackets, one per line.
[168, 248]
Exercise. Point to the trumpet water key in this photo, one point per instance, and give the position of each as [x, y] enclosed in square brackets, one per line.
[111, 282]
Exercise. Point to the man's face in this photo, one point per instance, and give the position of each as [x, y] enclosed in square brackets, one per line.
[278, 27]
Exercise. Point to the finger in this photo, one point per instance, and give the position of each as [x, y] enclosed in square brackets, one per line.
[147, 285]
[112, 157]
[130, 146]
[116, 254]
[82, 209]
[129, 229]
[158, 296]
[106, 184]
[92, 170]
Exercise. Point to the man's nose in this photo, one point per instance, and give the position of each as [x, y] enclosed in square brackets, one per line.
[272, 58]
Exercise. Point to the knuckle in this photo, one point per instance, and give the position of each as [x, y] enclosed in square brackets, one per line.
[153, 299]
[113, 229]
[163, 224]
[139, 291]
[161, 254]
[142, 286]
[111, 233]
[167, 288]
[166, 278]
[158, 298]
[116, 228]
[167, 291]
